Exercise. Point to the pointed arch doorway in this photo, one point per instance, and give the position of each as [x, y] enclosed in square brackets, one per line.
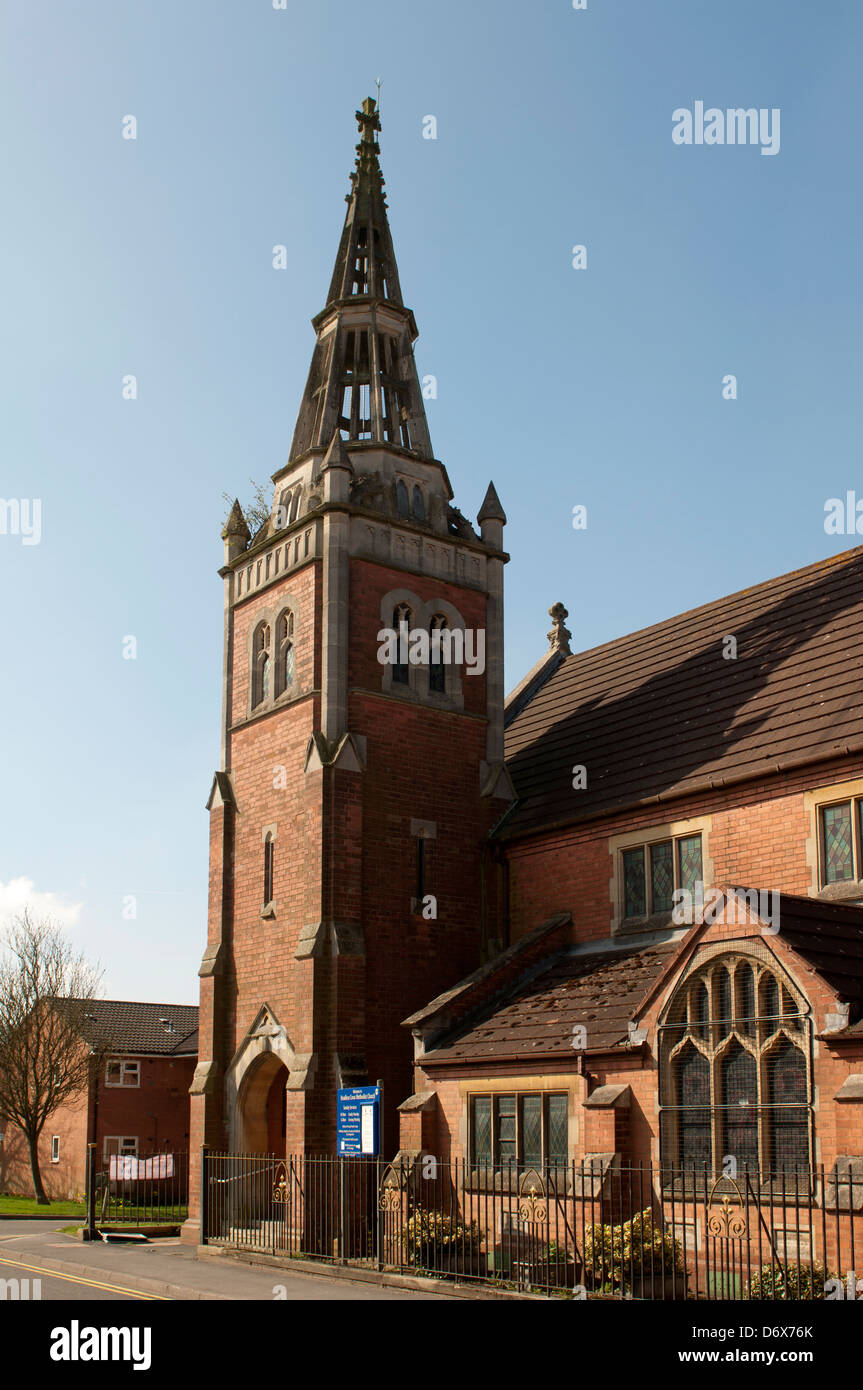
[255, 1087]
[262, 1107]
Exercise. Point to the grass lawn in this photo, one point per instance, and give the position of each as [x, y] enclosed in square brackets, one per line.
[28, 1206]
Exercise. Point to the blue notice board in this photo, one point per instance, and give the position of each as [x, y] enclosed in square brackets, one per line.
[359, 1120]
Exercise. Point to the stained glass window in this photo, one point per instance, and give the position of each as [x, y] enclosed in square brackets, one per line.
[633, 883]
[693, 1093]
[689, 867]
[786, 1086]
[733, 1090]
[289, 665]
[723, 1001]
[265, 677]
[740, 1096]
[482, 1129]
[772, 1003]
[702, 1011]
[525, 1131]
[506, 1136]
[531, 1131]
[558, 1128]
[745, 1009]
[837, 849]
[661, 877]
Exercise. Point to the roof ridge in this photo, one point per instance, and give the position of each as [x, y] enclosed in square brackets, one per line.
[844, 557]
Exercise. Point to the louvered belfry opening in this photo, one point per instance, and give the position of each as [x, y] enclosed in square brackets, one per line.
[363, 379]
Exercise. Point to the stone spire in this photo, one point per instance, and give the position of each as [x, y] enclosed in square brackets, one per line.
[366, 263]
[559, 637]
[363, 379]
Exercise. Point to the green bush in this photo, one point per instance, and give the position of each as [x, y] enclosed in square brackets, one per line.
[786, 1281]
[635, 1252]
[428, 1234]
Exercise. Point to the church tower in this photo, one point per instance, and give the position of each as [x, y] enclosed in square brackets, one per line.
[362, 751]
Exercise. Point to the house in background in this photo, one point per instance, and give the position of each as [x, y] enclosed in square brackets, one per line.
[137, 1100]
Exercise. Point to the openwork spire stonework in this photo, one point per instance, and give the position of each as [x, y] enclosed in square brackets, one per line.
[363, 378]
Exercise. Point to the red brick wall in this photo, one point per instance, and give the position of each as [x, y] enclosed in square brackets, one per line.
[68, 1177]
[758, 839]
[156, 1112]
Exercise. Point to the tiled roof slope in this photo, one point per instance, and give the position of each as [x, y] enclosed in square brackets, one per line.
[661, 712]
[597, 989]
[829, 937]
[130, 1027]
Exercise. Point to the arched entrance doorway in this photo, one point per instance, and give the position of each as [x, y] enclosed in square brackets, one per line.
[262, 1108]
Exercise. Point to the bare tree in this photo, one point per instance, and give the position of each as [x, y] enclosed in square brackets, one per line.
[46, 990]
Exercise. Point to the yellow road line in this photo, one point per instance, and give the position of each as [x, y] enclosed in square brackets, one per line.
[91, 1283]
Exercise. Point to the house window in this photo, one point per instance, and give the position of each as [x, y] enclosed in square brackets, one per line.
[55, 1148]
[122, 1073]
[734, 1073]
[261, 665]
[122, 1145]
[269, 866]
[840, 830]
[650, 874]
[519, 1131]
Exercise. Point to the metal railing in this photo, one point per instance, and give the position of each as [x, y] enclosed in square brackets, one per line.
[592, 1229]
[129, 1190]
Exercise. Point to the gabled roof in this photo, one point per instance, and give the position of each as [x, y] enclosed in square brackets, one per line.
[131, 1027]
[829, 937]
[597, 989]
[604, 990]
[662, 712]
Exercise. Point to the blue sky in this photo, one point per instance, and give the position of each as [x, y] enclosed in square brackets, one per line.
[600, 387]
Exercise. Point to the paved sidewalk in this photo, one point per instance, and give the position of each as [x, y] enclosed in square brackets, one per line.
[171, 1270]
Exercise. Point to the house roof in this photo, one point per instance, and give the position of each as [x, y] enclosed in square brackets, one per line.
[131, 1027]
[597, 989]
[662, 712]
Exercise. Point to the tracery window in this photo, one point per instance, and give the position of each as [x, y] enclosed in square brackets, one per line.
[734, 1072]
[402, 615]
[261, 665]
[437, 668]
[285, 652]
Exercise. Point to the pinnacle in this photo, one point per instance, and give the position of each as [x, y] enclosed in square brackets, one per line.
[236, 523]
[337, 455]
[491, 509]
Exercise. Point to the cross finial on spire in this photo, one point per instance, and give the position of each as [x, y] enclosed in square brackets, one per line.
[369, 121]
